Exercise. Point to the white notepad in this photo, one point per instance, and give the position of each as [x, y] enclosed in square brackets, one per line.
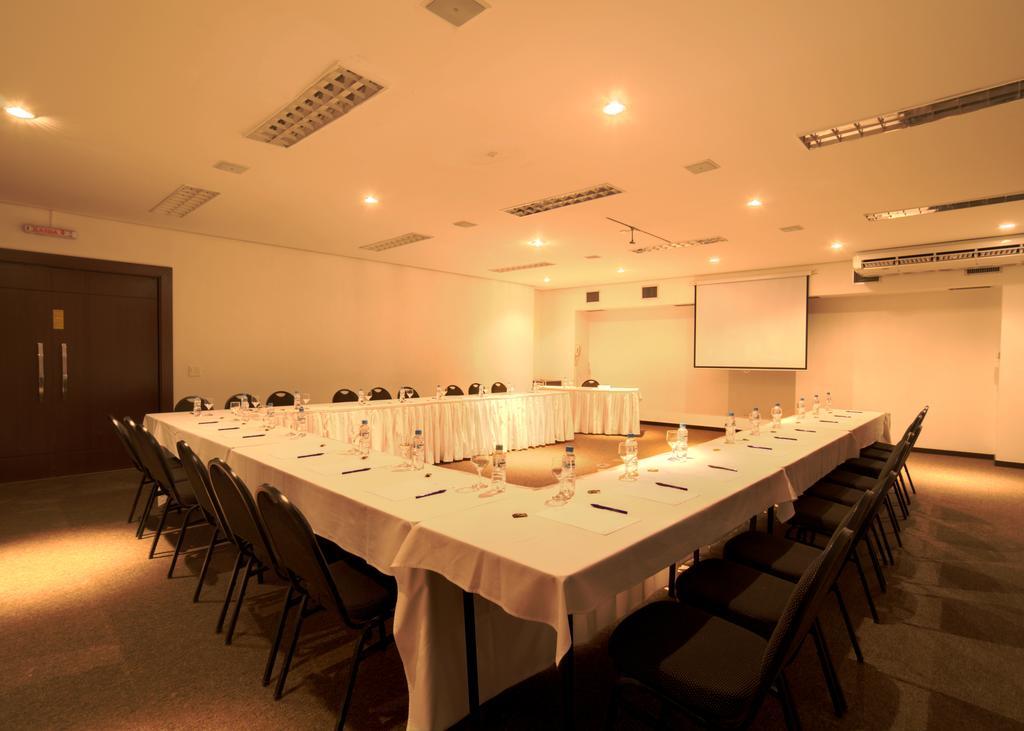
[648, 490]
[581, 515]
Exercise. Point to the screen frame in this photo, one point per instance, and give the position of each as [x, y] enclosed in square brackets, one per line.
[807, 325]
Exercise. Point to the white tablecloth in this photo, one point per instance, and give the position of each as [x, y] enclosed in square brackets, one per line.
[603, 410]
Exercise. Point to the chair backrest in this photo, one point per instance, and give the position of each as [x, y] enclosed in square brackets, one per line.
[474, 388]
[590, 383]
[379, 394]
[238, 397]
[153, 456]
[199, 478]
[297, 550]
[281, 398]
[499, 387]
[129, 445]
[343, 395]
[411, 392]
[185, 403]
[453, 390]
[240, 511]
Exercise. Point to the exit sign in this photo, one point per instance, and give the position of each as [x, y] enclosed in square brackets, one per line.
[60, 233]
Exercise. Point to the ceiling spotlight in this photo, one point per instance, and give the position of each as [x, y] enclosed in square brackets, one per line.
[614, 107]
[754, 203]
[537, 243]
[547, 279]
[1007, 226]
[714, 260]
[1006, 241]
[837, 245]
[620, 270]
[371, 200]
[19, 112]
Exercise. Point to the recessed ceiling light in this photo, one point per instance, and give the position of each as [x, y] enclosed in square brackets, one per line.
[614, 107]
[371, 200]
[537, 243]
[1006, 241]
[714, 260]
[547, 279]
[754, 203]
[19, 112]
[837, 245]
[620, 270]
[1007, 226]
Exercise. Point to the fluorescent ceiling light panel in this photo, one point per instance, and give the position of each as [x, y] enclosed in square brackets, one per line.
[520, 267]
[943, 207]
[184, 200]
[689, 243]
[561, 201]
[403, 240]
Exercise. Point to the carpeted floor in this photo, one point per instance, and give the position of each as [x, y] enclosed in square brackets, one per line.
[94, 636]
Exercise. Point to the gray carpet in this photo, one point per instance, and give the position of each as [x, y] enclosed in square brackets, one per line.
[93, 636]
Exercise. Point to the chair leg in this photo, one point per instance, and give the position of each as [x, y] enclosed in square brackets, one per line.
[909, 478]
[144, 518]
[291, 649]
[138, 494]
[896, 530]
[835, 691]
[849, 625]
[864, 583]
[875, 563]
[181, 540]
[231, 590]
[356, 657]
[272, 657]
[238, 602]
[885, 539]
[159, 528]
[206, 564]
[903, 487]
[788, 706]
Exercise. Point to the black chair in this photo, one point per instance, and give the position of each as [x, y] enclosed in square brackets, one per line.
[343, 395]
[590, 383]
[131, 432]
[180, 498]
[281, 398]
[133, 457]
[362, 597]
[411, 392]
[714, 671]
[880, 449]
[474, 388]
[499, 387]
[379, 394]
[199, 478]
[185, 404]
[239, 397]
[453, 390]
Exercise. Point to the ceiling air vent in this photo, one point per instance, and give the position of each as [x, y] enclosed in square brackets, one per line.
[456, 12]
[464, 224]
[561, 201]
[916, 116]
[983, 270]
[943, 207]
[704, 166]
[403, 240]
[334, 94]
[791, 229]
[231, 167]
[184, 200]
[593, 296]
[520, 267]
[680, 244]
[592, 256]
[648, 293]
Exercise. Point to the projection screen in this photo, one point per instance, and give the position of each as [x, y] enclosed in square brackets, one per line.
[749, 325]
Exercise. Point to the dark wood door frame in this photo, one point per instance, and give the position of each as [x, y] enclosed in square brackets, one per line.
[163, 275]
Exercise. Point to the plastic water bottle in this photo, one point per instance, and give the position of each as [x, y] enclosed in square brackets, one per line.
[755, 422]
[776, 415]
[801, 409]
[568, 476]
[828, 401]
[684, 441]
[197, 406]
[438, 393]
[730, 428]
[363, 438]
[632, 450]
[296, 399]
[300, 416]
[417, 450]
[816, 406]
[361, 396]
[498, 468]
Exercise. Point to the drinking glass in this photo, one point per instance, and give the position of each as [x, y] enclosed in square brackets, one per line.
[305, 399]
[234, 407]
[480, 461]
[405, 452]
[672, 437]
[208, 405]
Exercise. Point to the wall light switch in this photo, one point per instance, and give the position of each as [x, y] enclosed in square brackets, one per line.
[194, 371]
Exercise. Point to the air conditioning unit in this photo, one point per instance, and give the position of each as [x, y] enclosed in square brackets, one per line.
[950, 255]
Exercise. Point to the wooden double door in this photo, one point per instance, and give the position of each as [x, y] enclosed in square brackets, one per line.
[80, 339]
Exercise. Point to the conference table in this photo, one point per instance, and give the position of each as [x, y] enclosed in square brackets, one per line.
[535, 584]
[603, 409]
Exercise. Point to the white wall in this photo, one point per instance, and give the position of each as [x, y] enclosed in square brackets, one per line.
[1009, 437]
[258, 318]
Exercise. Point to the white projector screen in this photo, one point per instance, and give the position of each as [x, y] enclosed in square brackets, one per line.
[761, 323]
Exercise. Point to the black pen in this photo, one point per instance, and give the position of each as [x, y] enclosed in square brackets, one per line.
[207, 422]
[605, 507]
[228, 428]
[428, 494]
[792, 439]
[754, 446]
[828, 421]
[314, 454]
[716, 467]
[674, 487]
[250, 436]
[810, 431]
[361, 469]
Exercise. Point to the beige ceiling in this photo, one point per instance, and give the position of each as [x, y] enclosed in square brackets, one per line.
[138, 98]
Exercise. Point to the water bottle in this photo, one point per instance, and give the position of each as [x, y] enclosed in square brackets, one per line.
[684, 440]
[498, 468]
[438, 393]
[755, 422]
[730, 428]
[801, 409]
[297, 399]
[828, 401]
[197, 406]
[568, 476]
[632, 449]
[816, 406]
[363, 438]
[361, 396]
[417, 450]
[300, 416]
[776, 415]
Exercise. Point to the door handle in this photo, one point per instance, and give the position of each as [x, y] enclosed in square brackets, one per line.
[64, 370]
[42, 371]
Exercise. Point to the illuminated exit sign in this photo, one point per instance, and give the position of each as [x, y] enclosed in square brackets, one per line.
[56, 231]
